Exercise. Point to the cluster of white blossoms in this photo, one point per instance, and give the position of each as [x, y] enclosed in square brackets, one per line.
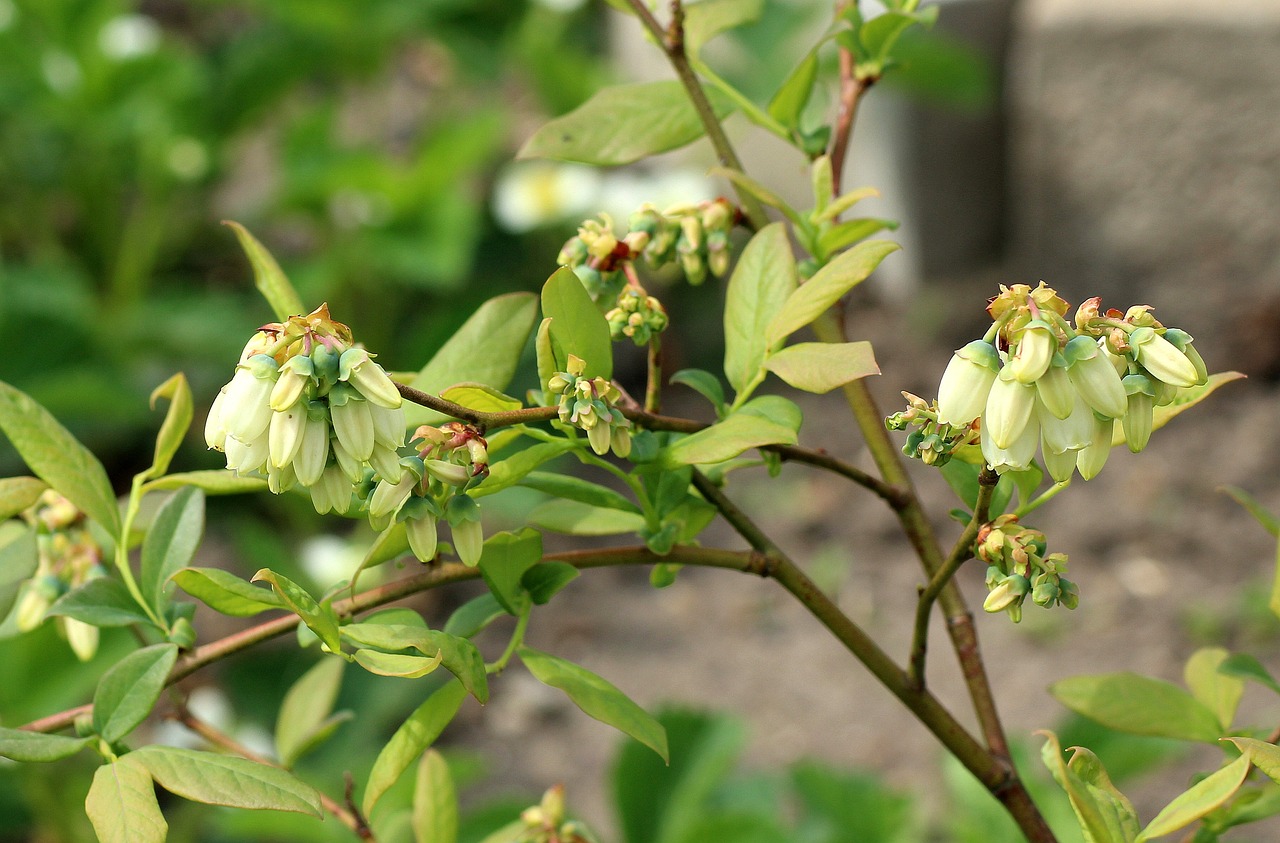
[1037, 382]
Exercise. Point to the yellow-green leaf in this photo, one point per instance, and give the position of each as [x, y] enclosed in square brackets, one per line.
[319, 619]
[19, 493]
[268, 276]
[216, 779]
[1198, 800]
[435, 801]
[410, 740]
[815, 296]
[478, 396]
[224, 592]
[725, 440]
[707, 19]
[822, 366]
[577, 325]
[176, 422]
[304, 713]
[1105, 815]
[122, 804]
[1139, 705]
[761, 282]
[211, 482]
[397, 664]
[1219, 692]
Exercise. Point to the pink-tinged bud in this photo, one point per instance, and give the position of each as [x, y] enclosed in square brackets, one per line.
[1137, 421]
[313, 452]
[215, 433]
[1094, 378]
[352, 421]
[1009, 407]
[1091, 459]
[1162, 358]
[1019, 454]
[423, 536]
[1034, 352]
[295, 376]
[285, 436]
[966, 383]
[1056, 392]
[332, 491]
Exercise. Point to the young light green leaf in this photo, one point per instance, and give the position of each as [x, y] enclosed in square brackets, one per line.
[1269, 522]
[176, 421]
[583, 519]
[505, 558]
[545, 579]
[1265, 756]
[122, 804]
[435, 801]
[225, 780]
[1138, 705]
[18, 560]
[1246, 666]
[211, 482]
[318, 619]
[21, 745]
[397, 664]
[19, 493]
[459, 656]
[704, 383]
[822, 366]
[478, 396]
[621, 124]
[577, 489]
[774, 408]
[597, 698]
[725, 440]
[793, 95]
[845, 234]
[224, 592]
[102, 601]
[512, 831]
[1219, 692]
[268, 276]
[171, 542]
[509, 471]
[815, 296]
[577, 326]
[879, 34]
[761, 282]
[846, 201]
[304, 713]
[474, 615]
[57, 458]
[410, 740]
[707, 19]
[1185, 400]
[128, 691]
[1200, 799]
[486, 349]
[1103, 812]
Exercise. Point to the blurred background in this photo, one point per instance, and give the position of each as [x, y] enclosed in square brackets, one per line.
[1125, 150]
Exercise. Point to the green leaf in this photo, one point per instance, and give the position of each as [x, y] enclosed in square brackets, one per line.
[459, 656]
[704, 383]
[411, 740]
[581, 519]
[478, 396]
[846, 201]
[845, 234]
[761, 282]
[1265, 756]
[171, 542]
[815, 296]
[486, 349]
[1219, 692]
[1198, 800]
[759, 191]
[503, 561]
[435, 801]
[1138, 705]
[545, 353]
[473, 616]
[19, 493]
[707, 19]
[176, 422]
[879, 34]
[725, 440]
[822, 366]
[577, 325]
[509, 471]
[128, 691]
[319, 619]
[1105, 815]
[793, 95]
[122, 804]
[18, 560]
[268, 276]
[304, 718]
[621, 124]
[545, 579]
[21, 745]
[57, 458]
[390, 544]
[774, 408]
[102, 601]
[225, 780]
[577, 489]
[1246, 666]
[399, 665]
[1185, 400]
[597, 698]
[213, 482]
[1269, 522]
[226, 593]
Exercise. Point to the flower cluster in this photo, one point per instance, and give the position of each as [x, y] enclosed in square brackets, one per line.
[1039, 382]
[587, 403]
[932, 442]
[697, 236]
[1018, 565]
[66, 557]
[432, 485]
[637, 317]
[308, 407]
[545, 822]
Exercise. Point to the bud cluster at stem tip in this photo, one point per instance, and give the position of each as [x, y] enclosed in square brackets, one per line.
[587, 403]
[1038, 382]
[638, 317]
[1018, 565]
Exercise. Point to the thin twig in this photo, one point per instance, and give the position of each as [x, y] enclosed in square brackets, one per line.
[851, 90]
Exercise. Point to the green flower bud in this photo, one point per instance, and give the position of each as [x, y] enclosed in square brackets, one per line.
[573, 253]
[386, 463]
[246, 458]
[1009, 407]
[1055, 390]
[358, 369]
[1069, 434]
[332, 492]
[295, 376]
[352, 421]
[1183, 342]
[447, 472]
[1011, 590]
[1059, 464]
[82, 637]
[1068, 593]
[1138, 419]
[281, 480]
[1091, 459]
[389, 497]
[313, 451]
[966, 383]
[423, 537]
[1094, 378]
[1162, 358]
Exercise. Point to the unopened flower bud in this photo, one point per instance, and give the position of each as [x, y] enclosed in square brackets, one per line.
[1138, 419]
[966, 383]
[468, 533]
[1094, 377]
[422, 536]
[285, 436]
[332, 492]
[1162, 358]
[295, 376]
[1091, 459]
[1034, 352]
[1184, 343]
[1019, 454]
[1055, 390]
[1009, 407]
[82, 637]
[1009, 591]
[1068, 593]
[246, 410]
[352, 421]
